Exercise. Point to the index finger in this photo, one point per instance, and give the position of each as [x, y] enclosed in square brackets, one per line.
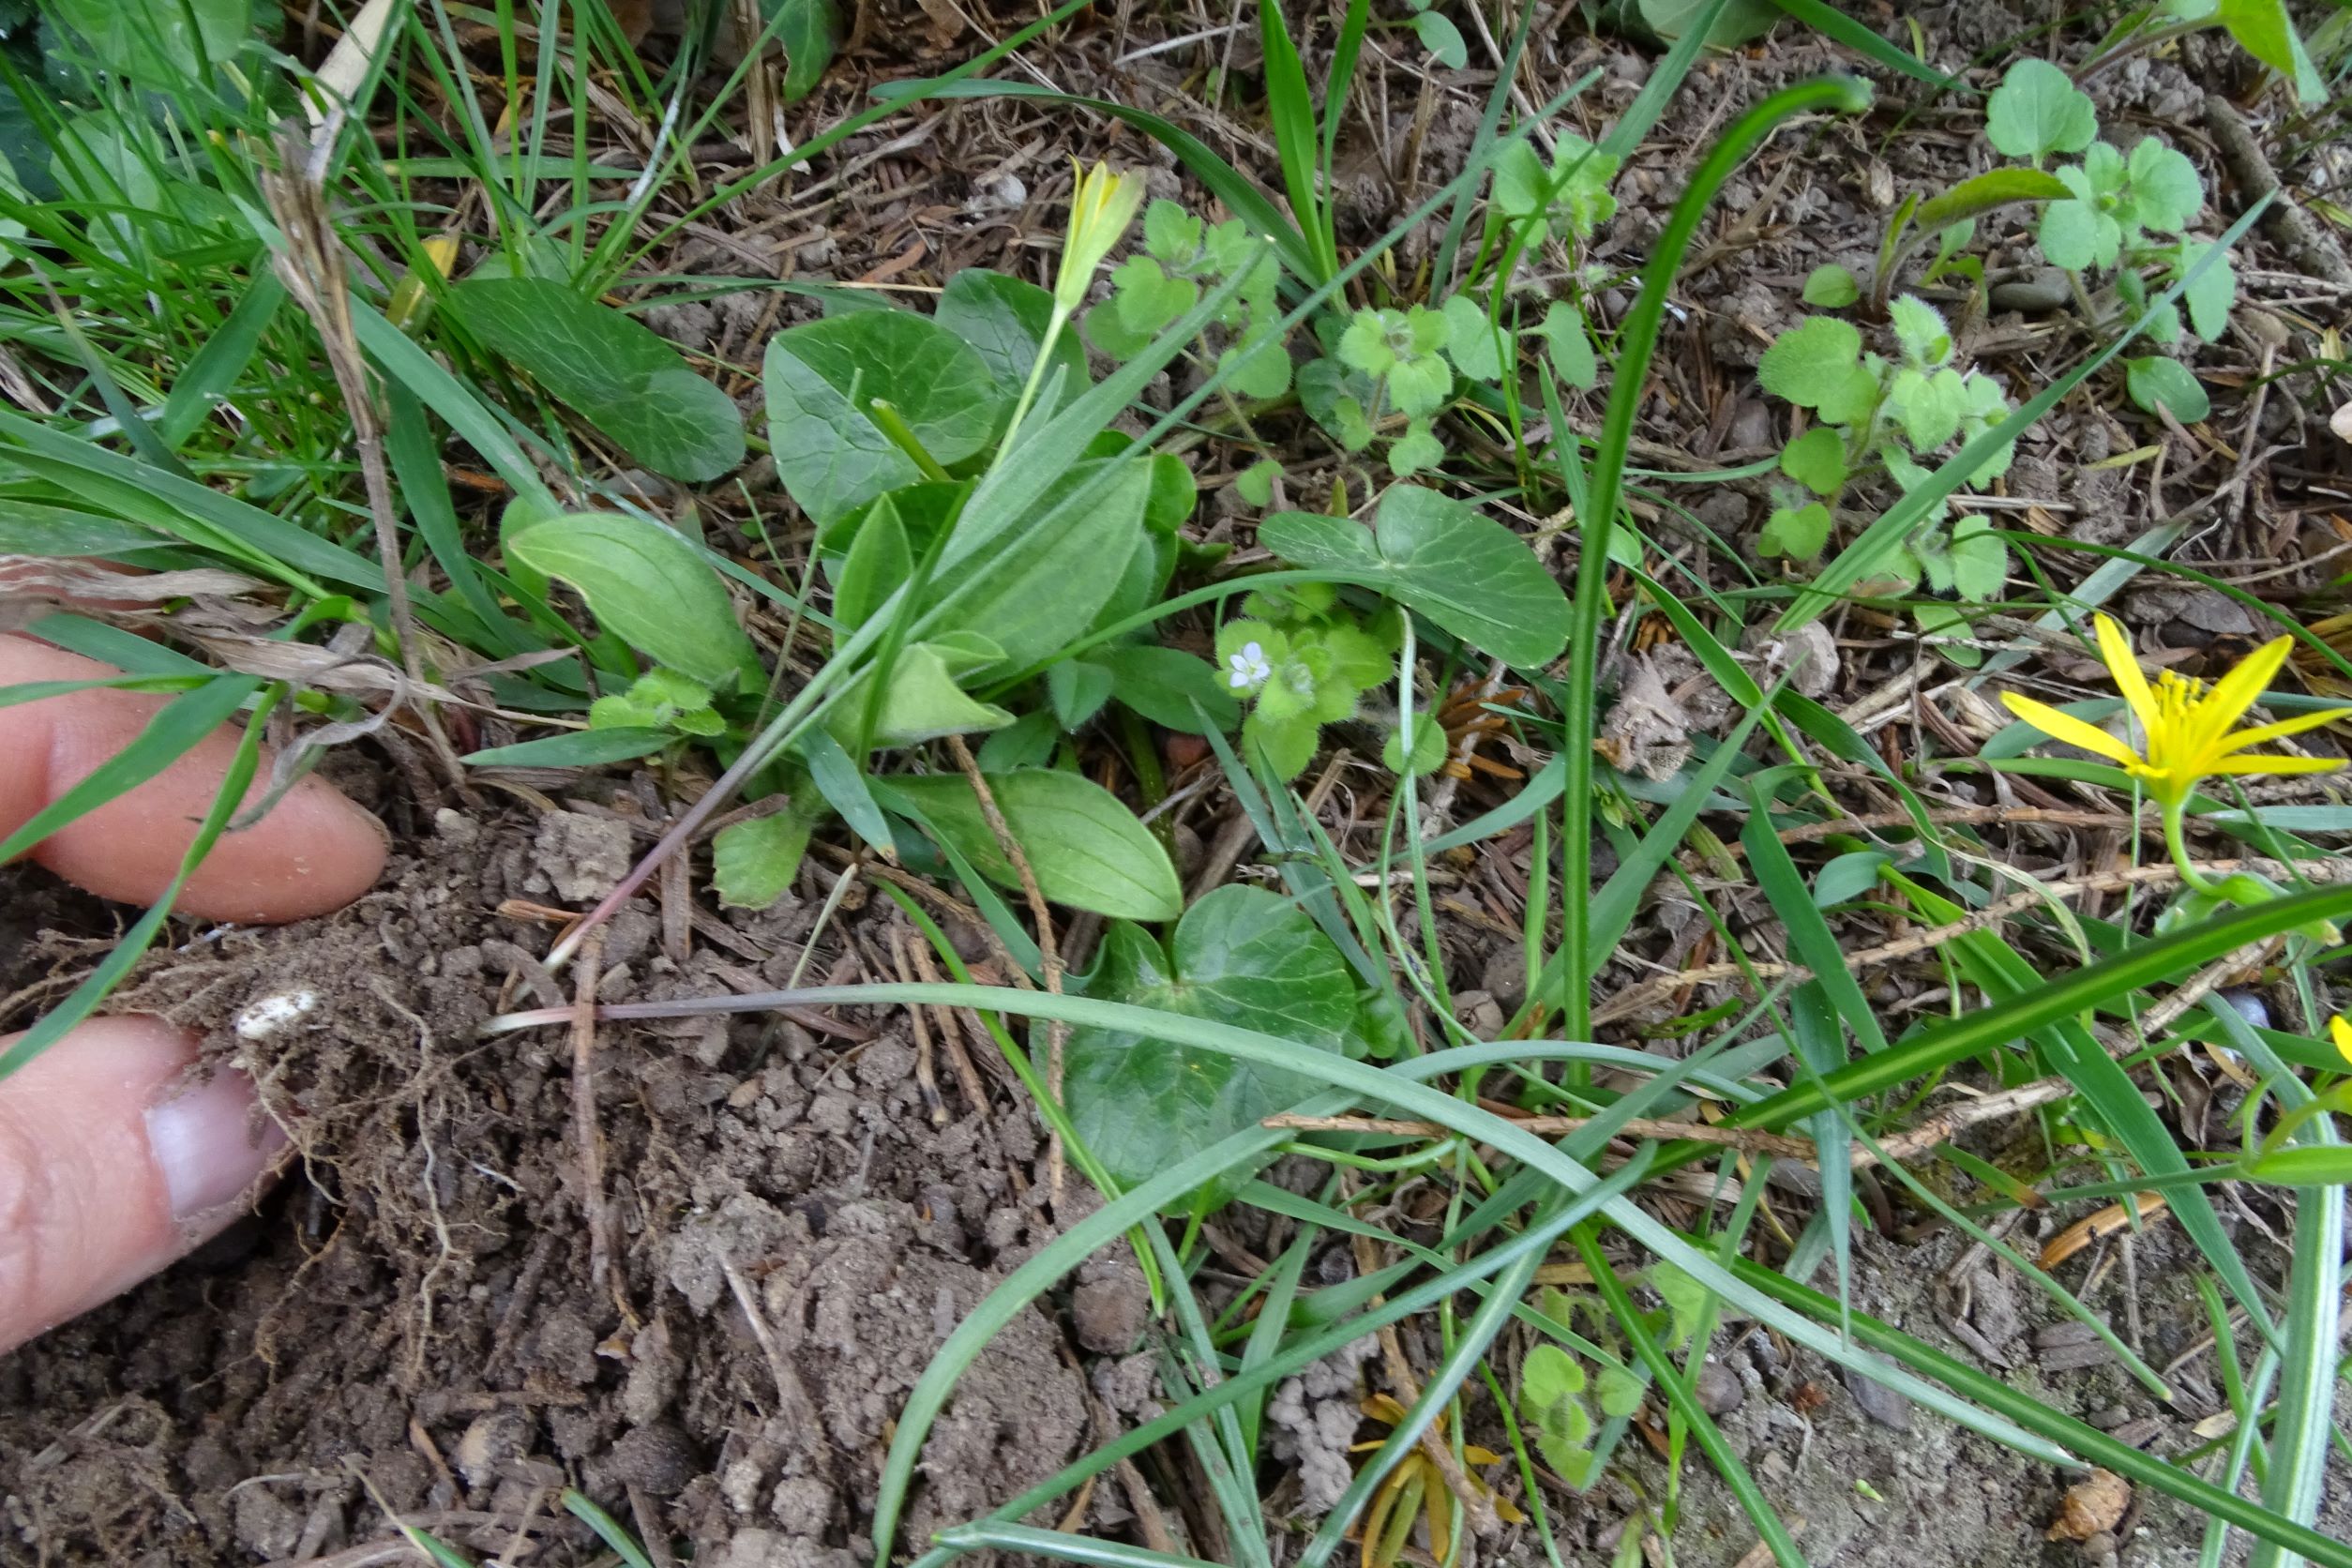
[314, 851]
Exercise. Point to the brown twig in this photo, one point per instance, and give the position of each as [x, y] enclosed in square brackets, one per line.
[975, 1091]
[603, 1266]
[312, 267]
[1635, 998]
[1747, 1139]
[1050, 955]
[925, 1080]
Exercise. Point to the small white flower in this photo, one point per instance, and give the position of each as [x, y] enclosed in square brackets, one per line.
[1249, 667]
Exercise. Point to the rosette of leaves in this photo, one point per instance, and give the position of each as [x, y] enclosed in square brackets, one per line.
[1886, 415]
[1571, 197]
[1301, 658]
[1382, 362]
[1182, 256]
[2128, 212]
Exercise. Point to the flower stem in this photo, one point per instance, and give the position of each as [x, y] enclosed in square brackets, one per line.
[1060, 319]
[2197, 880]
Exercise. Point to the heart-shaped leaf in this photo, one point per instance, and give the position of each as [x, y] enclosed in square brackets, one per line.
[821, 382]
[614, 371]
[1466, 572]
[1242, 955]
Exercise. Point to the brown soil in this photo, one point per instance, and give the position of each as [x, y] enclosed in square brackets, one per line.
[411, 1323]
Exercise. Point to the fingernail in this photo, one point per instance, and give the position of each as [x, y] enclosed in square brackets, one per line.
[209, 1144]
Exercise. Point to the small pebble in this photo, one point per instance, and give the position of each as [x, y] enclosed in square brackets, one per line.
[1878, 1402]
[658, 1458]
[1719, 1389]
[2045, 290]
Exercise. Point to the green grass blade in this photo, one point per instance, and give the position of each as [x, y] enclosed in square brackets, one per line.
[2295, 1484]
[1636, 342]
[1398, 1086]
[1839, 28]
[1061, 1546]
[2087, 1443]
[1735, 1475]
[1290, 111]
[623, 1544]
[401, 360]
[2095, 984]
[210, 376]
[2001, 973]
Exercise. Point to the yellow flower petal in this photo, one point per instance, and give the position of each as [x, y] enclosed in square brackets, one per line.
[2341, 1032]
[2274, 764]
[2066, 728]
[2124, 665]
[2239, 690]
[2263, 734]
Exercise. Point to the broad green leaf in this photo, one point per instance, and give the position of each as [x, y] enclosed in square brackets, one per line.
[1039, 587]
[1812, 364]
[1428, 747]
[1798, 532]
[1171, 688]
[2076, 236]
[2160, 382]
[2211, 294]
[647, 586]
[2166, 195]
[1571, 345]
[822, 380]
[1741, 21]
[2263, 30]
[1241, 955]
[810, 31]
[2037, 111]
[923, 701]
[1830, 287]
[1919, 329]
[1005, 319]
[161, 43]
[614, 371]
[879, 561]
[1817, 459]
[1085, 848]
[1999, 188]
[753, 863]
[1466, 573]
[1416, 451]
[1471, 338]
[578, 748]
[1077, 688]
[1849, 876]
[1443, 40]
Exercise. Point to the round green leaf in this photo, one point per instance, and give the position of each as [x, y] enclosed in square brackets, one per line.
[1241, 955]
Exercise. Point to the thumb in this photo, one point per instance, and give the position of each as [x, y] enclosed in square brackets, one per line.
[112, 1164]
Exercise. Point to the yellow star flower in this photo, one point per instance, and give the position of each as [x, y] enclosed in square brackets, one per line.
[2341, 1032]
[1101, 207]
[2186, 728]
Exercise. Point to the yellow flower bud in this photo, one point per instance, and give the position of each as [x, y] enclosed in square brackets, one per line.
[1101, 207]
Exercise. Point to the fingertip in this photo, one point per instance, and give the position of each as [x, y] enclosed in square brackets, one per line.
[316, 851]
[114, 1161]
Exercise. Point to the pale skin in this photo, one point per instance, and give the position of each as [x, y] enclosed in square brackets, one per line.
[115, 1158]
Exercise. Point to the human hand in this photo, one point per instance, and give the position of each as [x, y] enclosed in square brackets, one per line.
[113, 1163]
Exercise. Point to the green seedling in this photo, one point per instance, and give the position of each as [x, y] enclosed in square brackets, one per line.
[1302, 657]
[1881, 416]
